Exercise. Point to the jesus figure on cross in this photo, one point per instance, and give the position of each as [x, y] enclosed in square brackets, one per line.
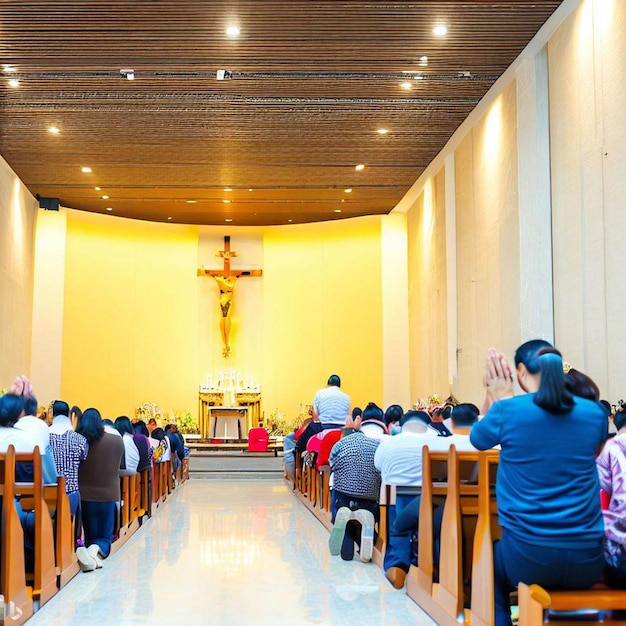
[226, 280]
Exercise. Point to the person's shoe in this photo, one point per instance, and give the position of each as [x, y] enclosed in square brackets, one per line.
[336, 534]
[366, 519]
[85, 560]
[94, 554]
[396, 576]
[347, 548]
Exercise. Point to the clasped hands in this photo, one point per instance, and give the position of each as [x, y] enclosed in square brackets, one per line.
[498, 378]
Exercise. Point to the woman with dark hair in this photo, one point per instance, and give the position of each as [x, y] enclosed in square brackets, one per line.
[547, 487]
[163, 450]
[131, 452]
[140, 439]
[99, 486]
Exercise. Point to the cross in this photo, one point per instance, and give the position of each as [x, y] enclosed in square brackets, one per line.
[226, 279]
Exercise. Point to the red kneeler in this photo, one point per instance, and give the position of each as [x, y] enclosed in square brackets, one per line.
[258, 440]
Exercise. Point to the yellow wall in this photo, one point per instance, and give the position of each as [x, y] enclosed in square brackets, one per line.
[138, 322]
[322, 312]
[130, 314]
[18, 211]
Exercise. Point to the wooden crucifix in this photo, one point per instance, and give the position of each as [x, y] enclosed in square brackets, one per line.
[226, 279]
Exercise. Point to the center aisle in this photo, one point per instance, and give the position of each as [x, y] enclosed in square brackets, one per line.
[230, 552]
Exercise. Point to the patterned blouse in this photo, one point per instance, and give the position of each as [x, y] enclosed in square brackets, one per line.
[68, 450]
[611, 463]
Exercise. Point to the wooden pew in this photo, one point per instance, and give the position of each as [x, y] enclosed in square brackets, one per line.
[32, 499]
[17, 595]
[65, 550]
[420, 579]
[487, 530]
[387, 499]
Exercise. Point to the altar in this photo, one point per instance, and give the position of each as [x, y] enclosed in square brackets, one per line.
[247, 403]
[229, 405]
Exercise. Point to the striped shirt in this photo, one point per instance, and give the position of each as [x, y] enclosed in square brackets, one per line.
[332, 405]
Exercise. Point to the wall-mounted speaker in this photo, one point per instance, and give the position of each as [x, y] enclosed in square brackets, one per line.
[49, 204]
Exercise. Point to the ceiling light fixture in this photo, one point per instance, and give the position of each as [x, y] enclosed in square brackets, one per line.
[98, 188]
[105, 197]
[233, 31]
[54, 130]
[406, 85]
[170, 217]
[440, 30]
[85, 170]
[360, 167]
[250, 189]
[382, 131]
[290, 221]
[192, 201]
[348, 190]
[228, 219]
[337, 210]
[226, 201]
[423, 61]
[9, 69]
[228, 188]
[128, 73]
[14, 82]
[109, 208]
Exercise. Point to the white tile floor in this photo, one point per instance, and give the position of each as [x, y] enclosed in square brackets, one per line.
[231, 552]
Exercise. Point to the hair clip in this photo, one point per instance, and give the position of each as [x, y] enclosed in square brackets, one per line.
[566, 367]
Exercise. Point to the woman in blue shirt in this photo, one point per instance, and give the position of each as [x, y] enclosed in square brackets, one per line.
[547, 486]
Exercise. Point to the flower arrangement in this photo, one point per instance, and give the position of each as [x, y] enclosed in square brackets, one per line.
[186, 422]
[280, 425]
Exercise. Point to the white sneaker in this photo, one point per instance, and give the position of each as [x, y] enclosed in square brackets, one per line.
[85, 560]
[94, 554]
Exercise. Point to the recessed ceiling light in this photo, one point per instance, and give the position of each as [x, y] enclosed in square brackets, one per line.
[382, 131]
[54, 130]
[105, 197]
[170, 217]
[250, 189]
[14, 82]
[226, 201]
[418, 77]
[348, 190]
[85, 170]
[337, 210]
[360, 167]
[406, 85]
[423, 61]
[192, 201]
[290, 221]
[228, 219]
[9, 69]
[109, 208]
[98, 188]
[233, 31]
[441, 30]
[228, 188]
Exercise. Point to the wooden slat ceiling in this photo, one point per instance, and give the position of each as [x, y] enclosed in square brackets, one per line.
[311, 84]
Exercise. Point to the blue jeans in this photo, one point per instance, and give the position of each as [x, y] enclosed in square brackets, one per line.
[99, 524]
[398, 551]
[516, 561]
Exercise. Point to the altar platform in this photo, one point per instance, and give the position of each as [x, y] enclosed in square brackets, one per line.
[234, 446]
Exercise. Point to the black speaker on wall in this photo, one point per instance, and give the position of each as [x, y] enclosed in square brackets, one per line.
[49, 204]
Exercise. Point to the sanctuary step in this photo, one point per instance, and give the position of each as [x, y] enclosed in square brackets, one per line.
[221, 465]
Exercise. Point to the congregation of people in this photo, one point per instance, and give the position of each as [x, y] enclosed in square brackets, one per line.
[561, 481]
[92, 454]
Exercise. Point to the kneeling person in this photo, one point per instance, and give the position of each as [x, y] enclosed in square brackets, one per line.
[356, 490]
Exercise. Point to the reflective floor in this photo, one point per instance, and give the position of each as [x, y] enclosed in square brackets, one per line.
[231, 552]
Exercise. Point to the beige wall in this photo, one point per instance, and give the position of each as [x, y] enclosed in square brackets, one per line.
[18, 211]
[427, 292]
[588, 134]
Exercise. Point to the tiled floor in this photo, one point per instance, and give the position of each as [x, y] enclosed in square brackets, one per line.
[231, 552]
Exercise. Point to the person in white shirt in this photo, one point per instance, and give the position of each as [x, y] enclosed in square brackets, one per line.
[331, 406]
[131, 453]
[30, 423]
